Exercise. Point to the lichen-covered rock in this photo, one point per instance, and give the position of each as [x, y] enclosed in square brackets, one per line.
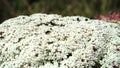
[53, 41]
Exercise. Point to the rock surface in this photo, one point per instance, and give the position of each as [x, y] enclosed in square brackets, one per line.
[53, 41]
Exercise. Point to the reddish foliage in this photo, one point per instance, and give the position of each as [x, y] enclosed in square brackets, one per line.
[109, 17]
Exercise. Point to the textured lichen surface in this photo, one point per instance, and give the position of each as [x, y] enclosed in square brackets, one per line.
[53, 41]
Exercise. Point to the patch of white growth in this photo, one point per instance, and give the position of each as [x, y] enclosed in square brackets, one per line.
[53, 41]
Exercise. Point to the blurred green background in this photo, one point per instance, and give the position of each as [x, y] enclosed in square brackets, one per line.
[88, 8]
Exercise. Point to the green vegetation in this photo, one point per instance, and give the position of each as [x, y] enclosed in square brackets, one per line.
[89, 8]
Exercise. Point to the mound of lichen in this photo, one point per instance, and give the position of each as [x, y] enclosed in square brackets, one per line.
[53, 41]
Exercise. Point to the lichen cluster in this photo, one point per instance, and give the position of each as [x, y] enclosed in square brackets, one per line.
[53, 41]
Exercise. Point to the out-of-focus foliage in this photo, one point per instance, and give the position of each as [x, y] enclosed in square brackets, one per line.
[112, 17]
[89, 8]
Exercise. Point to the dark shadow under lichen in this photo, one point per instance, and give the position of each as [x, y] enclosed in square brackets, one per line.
[97, 65]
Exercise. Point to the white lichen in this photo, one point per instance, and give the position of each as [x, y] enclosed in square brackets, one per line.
[53, 41]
